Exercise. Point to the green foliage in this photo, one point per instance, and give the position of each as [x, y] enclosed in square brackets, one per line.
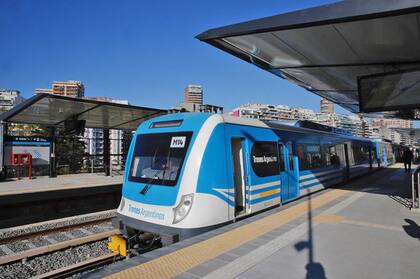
[15, 129]
[127, 136]
[70, 152]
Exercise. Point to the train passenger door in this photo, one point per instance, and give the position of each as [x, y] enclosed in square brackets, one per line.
[289, 188]
[239, 175]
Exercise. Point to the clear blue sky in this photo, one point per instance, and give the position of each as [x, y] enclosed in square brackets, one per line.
[142, 51]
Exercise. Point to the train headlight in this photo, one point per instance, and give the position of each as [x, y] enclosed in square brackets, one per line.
[183, 208]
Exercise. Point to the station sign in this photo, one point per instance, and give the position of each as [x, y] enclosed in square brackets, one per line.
[38, 147]
[33, 139]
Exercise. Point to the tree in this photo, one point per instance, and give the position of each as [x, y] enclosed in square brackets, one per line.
[70, 151]
[16, 129]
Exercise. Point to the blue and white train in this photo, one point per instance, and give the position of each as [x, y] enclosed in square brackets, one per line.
[191, 172]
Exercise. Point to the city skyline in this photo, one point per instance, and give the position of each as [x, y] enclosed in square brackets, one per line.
[143, 52]
[374, 128]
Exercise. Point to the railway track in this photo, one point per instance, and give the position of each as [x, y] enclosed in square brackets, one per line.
[31, 245]
[57, 252]
[79, 267]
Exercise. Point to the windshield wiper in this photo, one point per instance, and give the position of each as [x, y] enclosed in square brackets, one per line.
[145, 189]
[148, 186]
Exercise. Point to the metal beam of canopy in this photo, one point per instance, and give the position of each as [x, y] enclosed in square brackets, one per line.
[328, 49]
[52, 110]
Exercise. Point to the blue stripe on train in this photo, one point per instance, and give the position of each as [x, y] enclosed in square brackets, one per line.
[253, 201]
[230, 202]
[320, 182]
[276, 195]
[319, 176]
[256, 191]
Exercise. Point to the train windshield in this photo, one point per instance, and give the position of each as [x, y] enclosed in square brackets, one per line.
[158, 158]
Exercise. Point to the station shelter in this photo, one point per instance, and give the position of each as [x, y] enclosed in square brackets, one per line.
[71, 115]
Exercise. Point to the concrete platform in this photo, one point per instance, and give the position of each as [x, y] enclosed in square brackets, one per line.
[28, 201]
[360, 230]
[43, 184]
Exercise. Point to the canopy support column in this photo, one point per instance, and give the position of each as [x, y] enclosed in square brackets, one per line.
[106, 154]
[53, 161]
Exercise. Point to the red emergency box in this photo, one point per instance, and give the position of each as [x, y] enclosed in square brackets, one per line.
[20, 161]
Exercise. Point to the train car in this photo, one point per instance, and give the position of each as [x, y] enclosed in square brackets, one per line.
[189, 173]
[385, 151]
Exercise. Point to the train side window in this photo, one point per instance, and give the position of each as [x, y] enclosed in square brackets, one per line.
[291, 152]
[333, 159]
[281, 158]
[291, 163]
[264, 158]
[309, 156]
[360, 153]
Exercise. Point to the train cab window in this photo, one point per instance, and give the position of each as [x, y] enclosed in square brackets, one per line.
[158, 158]
[264, 158]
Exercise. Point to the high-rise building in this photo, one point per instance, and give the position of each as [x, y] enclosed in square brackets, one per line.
[71, 88]
[326, 106]
[9, 98]
[193, 94]
[193, 101]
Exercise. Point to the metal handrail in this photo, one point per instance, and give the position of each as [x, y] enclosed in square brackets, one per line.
[415, 193]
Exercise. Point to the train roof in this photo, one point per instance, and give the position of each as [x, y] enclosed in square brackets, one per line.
[196, 119]
[299, 126]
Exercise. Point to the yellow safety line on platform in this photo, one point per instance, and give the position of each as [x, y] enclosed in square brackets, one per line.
[182, 260]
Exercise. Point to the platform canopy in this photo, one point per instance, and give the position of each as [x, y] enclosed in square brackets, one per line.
[52, 110]
[330, 50]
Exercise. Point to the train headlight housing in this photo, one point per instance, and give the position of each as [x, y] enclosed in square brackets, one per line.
[183, 208]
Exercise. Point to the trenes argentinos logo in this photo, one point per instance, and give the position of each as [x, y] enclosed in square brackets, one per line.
[264, 159]
[146, 213]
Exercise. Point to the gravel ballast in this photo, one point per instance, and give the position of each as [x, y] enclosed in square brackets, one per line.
[54, 261]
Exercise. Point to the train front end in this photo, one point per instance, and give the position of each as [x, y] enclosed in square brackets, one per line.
[159, 188]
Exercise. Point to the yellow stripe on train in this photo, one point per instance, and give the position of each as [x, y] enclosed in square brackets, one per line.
[269, 193]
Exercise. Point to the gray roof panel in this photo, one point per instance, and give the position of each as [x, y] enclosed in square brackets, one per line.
[327, 49]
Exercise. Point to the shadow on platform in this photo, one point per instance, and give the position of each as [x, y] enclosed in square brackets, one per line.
[397, 186]
[412, 229]
[314, 270]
